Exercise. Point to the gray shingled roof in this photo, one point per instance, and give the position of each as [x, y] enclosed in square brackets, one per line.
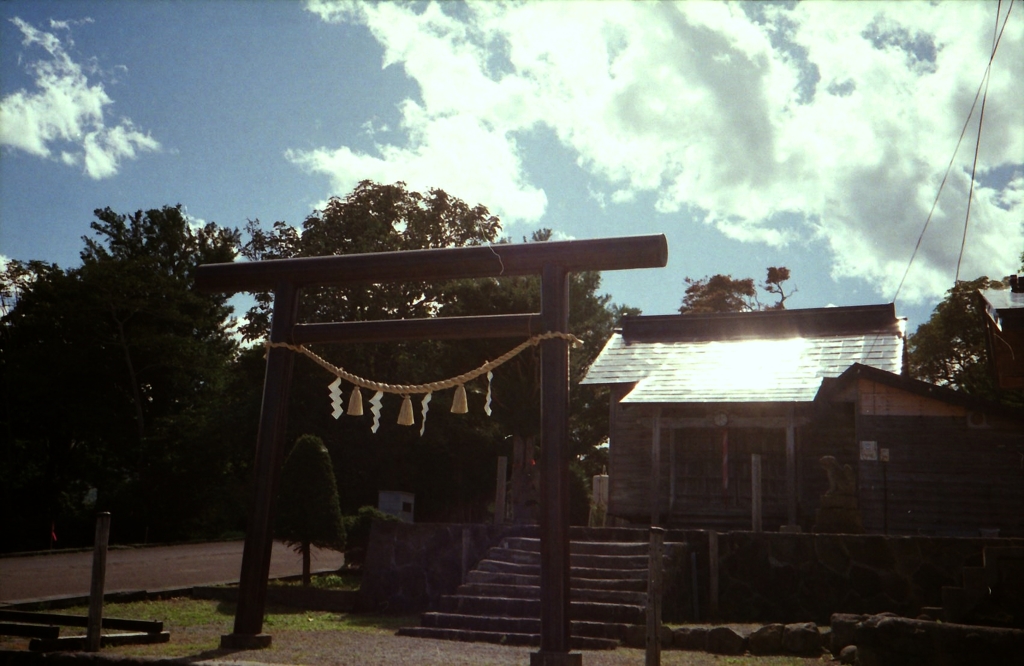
[776, 356]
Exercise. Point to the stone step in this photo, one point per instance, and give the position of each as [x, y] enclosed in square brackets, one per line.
[533, 592]
[521, 625]
[513, 555]
[609, 534]
[516, 556]
[500, 566]
[495, 578]
[621, 548]
[513, 607]
[582, 547]
[575, 642]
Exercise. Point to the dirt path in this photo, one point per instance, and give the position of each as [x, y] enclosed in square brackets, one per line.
[150, 568]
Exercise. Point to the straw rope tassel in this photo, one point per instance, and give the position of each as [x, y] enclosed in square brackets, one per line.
[355, 403]
[405, 414]
[459, 405]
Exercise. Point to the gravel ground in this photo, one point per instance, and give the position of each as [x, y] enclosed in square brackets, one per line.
[370, 647]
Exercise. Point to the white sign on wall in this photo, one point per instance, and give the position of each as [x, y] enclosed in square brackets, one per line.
[869, 450]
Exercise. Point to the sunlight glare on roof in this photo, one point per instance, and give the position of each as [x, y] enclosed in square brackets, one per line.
[753, 364]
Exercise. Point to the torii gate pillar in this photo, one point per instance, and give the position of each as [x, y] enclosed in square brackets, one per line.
[553, 261]
[554, 474]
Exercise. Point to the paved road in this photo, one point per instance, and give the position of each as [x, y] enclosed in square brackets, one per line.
[152, 568]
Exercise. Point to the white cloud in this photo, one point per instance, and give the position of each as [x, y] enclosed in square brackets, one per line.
[457, 153]
[827, 123]
[65, 112]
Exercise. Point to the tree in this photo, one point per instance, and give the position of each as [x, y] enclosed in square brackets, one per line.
[722, 293]
[773, 285]
[950, 349]
[308, 513]
[114, 372]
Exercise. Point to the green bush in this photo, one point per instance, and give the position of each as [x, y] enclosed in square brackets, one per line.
[308, 513]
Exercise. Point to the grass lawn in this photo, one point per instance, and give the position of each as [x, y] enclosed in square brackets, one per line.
[318, 638]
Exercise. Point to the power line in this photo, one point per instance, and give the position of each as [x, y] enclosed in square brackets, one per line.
[977, 143]
[949, 167]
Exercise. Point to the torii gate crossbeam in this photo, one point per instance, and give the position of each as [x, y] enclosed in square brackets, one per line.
[552, 260]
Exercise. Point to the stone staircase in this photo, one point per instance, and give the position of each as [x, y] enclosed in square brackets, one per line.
[499, 602]
[992, 594]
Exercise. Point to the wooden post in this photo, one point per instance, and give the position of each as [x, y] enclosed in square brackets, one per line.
[755, 491]
[554, 475]
[499, 491]
[259, 534]
[713, 574]
[790, 469]
[654, 585]
[694, 587]
[99, 574]
[599, 501]
[671, 472]
[885, 496]
[465, 552]
[656, 470]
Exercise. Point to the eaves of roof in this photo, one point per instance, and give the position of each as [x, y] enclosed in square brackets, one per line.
[767, 324]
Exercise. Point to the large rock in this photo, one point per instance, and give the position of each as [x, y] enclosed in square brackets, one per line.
[723, 640]
[766, 640]
[690, 638]
[843, 627]
[802, 638]
[884, 640]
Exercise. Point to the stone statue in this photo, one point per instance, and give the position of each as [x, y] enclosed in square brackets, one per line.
[841, 479]
[838, 512]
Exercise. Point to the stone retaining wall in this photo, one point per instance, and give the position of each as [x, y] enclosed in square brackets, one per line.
[763, 577]
[410, 565]
[807, 577]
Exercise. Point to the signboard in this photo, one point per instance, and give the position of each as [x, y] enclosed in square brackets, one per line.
[869, 450]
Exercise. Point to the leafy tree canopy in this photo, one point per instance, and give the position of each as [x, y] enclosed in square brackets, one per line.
[112, 369]
[950, 348]
[723, 293]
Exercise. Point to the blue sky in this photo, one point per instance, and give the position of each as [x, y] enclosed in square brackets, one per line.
[809, 135]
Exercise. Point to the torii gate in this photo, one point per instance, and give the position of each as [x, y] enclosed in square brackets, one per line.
[552, 260]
